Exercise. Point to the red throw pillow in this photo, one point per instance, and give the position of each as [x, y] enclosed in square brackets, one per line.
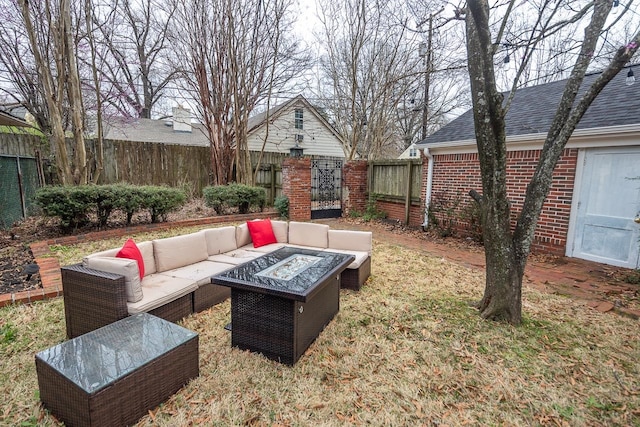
[261, 232]
[130, 251]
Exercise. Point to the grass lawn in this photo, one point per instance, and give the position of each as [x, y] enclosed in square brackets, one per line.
[405, 350]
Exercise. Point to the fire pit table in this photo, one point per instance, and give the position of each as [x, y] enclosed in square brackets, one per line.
[281, 301]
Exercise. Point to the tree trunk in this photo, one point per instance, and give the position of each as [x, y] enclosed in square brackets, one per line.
[75, 96]
[503, 288]
[506, 252]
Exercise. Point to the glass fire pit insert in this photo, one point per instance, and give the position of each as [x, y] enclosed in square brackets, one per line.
[290, 267]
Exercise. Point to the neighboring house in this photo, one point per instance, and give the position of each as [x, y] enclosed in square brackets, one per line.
[295, 123]
[176, 130]
[593, 206]
[411, 152]
[8, 119]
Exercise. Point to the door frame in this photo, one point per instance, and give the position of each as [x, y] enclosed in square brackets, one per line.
[570, 249]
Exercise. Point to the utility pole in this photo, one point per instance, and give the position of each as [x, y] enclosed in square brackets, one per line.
[426, 53]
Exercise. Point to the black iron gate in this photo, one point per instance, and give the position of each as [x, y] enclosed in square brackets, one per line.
[326, 188]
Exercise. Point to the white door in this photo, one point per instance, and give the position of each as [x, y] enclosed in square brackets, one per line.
[608, 203]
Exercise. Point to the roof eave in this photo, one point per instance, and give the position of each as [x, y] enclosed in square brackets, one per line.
[579, 138]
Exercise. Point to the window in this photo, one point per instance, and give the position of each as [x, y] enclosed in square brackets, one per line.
[298, 123]
[413, 152]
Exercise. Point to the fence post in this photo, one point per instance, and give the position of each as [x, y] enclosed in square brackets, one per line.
[272, 173]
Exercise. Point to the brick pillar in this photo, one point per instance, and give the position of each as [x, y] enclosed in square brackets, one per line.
[296, 185]
[354, 186]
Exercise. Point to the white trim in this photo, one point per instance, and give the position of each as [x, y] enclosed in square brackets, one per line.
[573, 213]
[610, 136]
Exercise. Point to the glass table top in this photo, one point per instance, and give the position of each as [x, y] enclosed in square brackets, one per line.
[96, 359]
[288, 270]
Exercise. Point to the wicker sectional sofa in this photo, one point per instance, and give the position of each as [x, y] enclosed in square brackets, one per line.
[177, 271]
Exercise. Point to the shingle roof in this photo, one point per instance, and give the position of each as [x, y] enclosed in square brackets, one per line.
[533, 108]
[149, 130]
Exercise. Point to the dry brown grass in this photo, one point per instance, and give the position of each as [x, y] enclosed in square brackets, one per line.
[406, 350]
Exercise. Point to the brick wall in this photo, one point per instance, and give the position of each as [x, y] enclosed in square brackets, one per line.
[456, 174]
[296, 185]
[354, 186]
[396, 211]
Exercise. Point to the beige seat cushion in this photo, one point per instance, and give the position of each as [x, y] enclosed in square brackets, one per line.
[220, 240]
[351, 240]
[160, 289]
[180, 251]
[264, 249]
[244, 254]
[228, 259]
[308, 234]
[199, 272]
[123, 266]
[360, 257]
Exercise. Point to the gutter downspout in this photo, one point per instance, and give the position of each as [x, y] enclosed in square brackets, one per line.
[429, 156]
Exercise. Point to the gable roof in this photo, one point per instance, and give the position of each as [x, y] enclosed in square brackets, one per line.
[533, 108]
[255, 122]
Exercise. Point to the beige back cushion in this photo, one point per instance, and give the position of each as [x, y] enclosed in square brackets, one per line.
[220, 240]
[308, 234]
[123, 266]
[146, 249]
[351, 240]
[280, 230]
[178, 251]
[107, 253]
[243, 237]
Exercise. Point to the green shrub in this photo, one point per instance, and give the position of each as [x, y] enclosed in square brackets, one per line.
[243, 197]
[74, 204]
[130, 200]
[161, 200]
[281, 204]
[71, 204]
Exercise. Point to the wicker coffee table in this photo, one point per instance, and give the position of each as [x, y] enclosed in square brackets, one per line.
[280, 302]
[113, 375]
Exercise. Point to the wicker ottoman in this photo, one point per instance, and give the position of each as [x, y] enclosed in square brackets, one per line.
[113, 375]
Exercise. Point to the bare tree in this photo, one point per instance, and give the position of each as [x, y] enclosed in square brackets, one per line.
[49, 26]
[377, 89]
[507, 248]
[235, 54]
[134, 40]
[19, 66]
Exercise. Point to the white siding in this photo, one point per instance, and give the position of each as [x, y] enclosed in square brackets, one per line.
[318, 140]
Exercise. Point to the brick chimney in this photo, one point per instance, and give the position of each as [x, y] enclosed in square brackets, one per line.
[181, 119]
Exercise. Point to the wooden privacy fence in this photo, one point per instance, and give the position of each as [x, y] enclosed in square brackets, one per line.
[185, 166]
[396, 181]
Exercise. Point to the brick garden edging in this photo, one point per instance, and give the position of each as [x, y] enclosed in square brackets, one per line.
[50, 267]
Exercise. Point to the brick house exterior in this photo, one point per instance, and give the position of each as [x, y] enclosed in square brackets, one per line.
[605, 143]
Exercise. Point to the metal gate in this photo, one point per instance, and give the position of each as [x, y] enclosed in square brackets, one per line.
[326, 188]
